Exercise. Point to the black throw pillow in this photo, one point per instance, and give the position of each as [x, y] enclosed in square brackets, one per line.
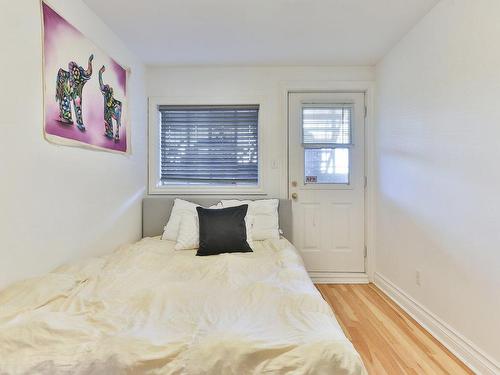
[223, 230]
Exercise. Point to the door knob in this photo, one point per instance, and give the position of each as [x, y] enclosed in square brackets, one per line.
[295, 195]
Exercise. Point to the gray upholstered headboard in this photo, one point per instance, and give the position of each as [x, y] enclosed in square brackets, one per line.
[156, 211]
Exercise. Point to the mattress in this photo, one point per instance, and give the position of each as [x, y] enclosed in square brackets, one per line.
[148, 309]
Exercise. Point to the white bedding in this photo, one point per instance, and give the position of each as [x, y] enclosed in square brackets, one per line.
[149, 309]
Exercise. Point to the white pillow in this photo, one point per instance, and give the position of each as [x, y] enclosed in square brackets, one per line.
[263, 215]
[180, 208]
[189, 231]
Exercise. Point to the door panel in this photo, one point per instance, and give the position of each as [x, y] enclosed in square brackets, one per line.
[341, 226]
[310, 213]
[326, 179]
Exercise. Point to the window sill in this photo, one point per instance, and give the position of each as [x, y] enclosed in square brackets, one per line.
[207, 190]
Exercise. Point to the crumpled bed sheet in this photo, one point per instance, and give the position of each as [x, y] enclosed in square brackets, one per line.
[147, 309]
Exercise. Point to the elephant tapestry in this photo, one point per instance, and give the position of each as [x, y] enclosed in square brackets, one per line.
[84, 89]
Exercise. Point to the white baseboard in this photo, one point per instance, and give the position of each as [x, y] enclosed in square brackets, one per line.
[466, 351]
[338, 278]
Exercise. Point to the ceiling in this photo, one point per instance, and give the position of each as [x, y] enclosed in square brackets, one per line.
[260, 32]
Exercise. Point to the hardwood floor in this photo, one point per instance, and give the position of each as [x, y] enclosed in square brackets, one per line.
[388, 339]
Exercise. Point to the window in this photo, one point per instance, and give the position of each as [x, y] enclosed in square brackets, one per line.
[211, 145]
[326, 139]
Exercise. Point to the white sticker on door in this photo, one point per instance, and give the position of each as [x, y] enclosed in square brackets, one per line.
[311, 179]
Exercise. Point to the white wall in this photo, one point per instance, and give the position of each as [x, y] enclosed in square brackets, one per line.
[60, 203]
[438, 155]
[265, 82]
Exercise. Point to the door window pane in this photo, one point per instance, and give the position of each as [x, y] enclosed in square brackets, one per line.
[327, 125]
[326, 166]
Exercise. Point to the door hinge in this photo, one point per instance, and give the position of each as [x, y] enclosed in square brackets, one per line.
[366, 251]
[366, 111]
[365, 182]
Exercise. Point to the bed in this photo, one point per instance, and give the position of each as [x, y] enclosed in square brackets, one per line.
[147, 308]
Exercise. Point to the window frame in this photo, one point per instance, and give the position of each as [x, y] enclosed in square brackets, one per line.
[349, 146]
[154, 179]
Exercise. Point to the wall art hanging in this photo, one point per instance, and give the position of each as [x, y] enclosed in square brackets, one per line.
[85, 90]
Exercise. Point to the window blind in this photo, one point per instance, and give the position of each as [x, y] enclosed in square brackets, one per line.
[327, 125]
[209, 144]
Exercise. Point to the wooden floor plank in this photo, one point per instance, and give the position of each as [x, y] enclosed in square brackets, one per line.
[388, 339]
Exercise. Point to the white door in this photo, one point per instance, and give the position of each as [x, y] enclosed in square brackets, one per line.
[326, 179]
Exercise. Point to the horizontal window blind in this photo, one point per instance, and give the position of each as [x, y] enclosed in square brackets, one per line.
[327, 125]
[209, 144]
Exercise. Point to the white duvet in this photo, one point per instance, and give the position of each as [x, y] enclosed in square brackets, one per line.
[149, 309]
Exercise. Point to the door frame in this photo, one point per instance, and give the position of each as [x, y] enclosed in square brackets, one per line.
[366, 87]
